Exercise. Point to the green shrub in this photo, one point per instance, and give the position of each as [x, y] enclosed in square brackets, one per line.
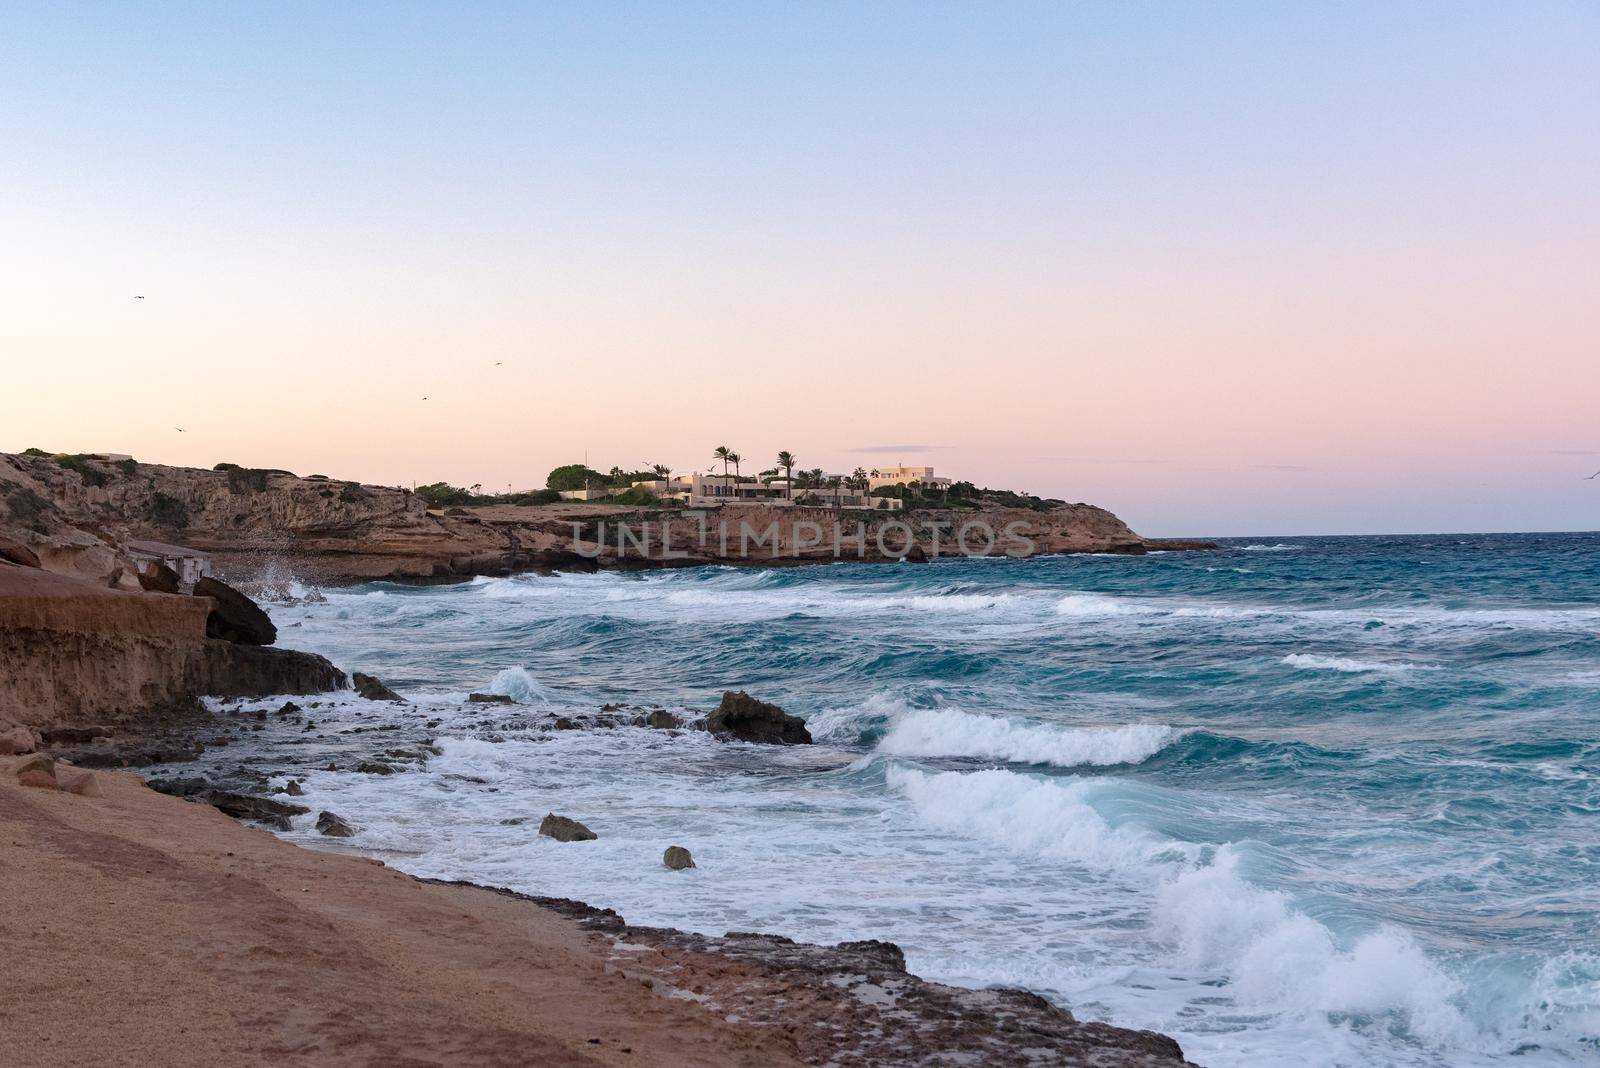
[129, 467]
[82, 465]
[35, 452]
[227, 467]
[246, 479]
[168, 512]
[350, 492]
[24, 505]
[636, 495]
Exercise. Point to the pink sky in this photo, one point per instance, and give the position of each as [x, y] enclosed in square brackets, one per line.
[1306, 292]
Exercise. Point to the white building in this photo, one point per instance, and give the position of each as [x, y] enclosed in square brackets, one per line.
[901, 475]
[191, 564]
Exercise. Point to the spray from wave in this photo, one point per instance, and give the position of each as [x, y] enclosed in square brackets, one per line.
[943, 732]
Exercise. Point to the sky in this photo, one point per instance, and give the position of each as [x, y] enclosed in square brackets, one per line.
[1226, 269]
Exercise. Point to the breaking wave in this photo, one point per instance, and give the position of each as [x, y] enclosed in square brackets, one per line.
[942, 732]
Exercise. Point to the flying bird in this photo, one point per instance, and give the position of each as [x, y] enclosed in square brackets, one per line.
[180, 430]
[424, 398]
[1592, 477]
[138, 298]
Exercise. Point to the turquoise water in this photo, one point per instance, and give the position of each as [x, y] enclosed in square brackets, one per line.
[1335, 800]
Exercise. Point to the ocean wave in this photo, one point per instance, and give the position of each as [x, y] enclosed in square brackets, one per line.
[944, 732]
[1276, 957]
[1278, 548]
[1026, 815]
[523, 688]
[1347, 665]
[1282, 959]
[1099, 604]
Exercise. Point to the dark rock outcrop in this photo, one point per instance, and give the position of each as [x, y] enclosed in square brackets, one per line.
[749, 720]
[659, 719]
[159, 578]
[489, 699]
[677, 858]
[563, 829]
[234, 617]
[373, 690]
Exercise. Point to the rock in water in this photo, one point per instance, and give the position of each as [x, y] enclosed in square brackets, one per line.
[677, 858]
[372, 689]
[333, 826]
[743, 717]
[563, 829]
[660, 720]
[294, 789]
[234, 617]
[489, 699]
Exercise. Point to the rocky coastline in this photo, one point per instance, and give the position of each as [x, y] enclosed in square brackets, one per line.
[265, 526]
[109, 665]
[848, 1004]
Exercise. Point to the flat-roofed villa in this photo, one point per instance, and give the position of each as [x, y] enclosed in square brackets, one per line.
[901, 475]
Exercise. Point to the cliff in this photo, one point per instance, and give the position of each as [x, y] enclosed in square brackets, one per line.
[75, 652]
[76, 512]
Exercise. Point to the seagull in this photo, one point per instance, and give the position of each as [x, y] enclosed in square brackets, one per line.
[138, 298]
[424, 398]
[1592, 477]
[180, 430]
[497, 363]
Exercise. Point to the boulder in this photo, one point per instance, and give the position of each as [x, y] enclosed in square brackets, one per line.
[660, 720]
[489, 699]
[749, 720]
[563, 829]
[157, 577]
[18, 553]
[333, 826]
[38, 770]
[80, 782]
[234, 617]
[77, 735]
[375, 767]
[15, 740]
[677, 858]
[294, 789]
[373, 690]
[915, 554]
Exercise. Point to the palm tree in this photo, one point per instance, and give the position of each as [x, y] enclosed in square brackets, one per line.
[663, 472]
[786, 461]
[835, 483]
[725, 454]
[735, 459]
[859, 481]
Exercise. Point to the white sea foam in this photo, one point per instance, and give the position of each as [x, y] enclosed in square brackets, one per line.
[1281, 959]
[523, 688]
[1346, 665]
[944, 732]
[1277, 958]
[1026, 815]
[1278, 548]
[1099, 604]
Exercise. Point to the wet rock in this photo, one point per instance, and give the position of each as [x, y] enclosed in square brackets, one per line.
[38, 770]
[564, 724]
[132, 756]
[375, 767]
[75, 735]
[489, 699]
[234, 617]
[294, 789]
[677, 858]
[333, 826]
[563, 829]
[660, 720]
[156, 577]
[749, 720]
[915, 554]
[246, 807]
[373, 690]
[288, 709]
[188, 786]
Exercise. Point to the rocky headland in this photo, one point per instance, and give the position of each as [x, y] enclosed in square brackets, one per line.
[76, 513]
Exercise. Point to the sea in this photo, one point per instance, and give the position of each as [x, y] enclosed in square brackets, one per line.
[1321, 801]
